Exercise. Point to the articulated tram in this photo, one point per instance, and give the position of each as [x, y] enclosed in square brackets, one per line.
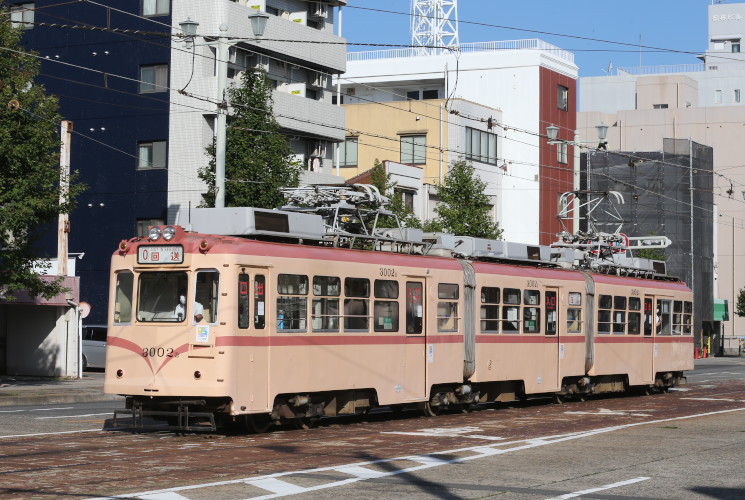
[266, 319]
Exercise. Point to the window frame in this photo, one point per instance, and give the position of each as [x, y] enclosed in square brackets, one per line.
[418, 151]
[157, 84]
[344, 152]
[474, 146]
[157, 3]
[563, 98]
[154, 147]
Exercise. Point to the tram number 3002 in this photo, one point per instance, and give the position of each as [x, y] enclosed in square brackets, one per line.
[388, 272]
[159, 352]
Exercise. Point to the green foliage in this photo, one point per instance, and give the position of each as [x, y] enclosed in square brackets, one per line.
[464, 208]
[651, 253]
[29, 166]
[259, 159]
[740, 310]
[382, 180]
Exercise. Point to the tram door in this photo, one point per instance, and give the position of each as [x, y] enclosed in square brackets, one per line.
[553, 352]
[415, 346]
[254, 365]
[648, 347]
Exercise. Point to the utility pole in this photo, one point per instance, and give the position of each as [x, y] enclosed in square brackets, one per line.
[222, 116]
[63, 220]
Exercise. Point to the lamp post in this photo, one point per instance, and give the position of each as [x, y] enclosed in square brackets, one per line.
[258, 22]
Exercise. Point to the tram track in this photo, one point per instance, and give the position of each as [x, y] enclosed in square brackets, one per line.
[115, 462]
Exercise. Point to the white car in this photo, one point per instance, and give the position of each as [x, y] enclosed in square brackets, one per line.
[94, 346]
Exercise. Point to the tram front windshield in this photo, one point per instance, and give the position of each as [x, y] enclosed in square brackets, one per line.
[159, 297]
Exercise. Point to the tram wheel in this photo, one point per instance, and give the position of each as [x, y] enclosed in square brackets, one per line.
[258, 424]
[559, 398]
[431, 411]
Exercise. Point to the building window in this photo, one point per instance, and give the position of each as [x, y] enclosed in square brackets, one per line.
[659, 106]
[717, 97]
[143, 226]
[154, 78]
[481, 146]
[737, 95]
[156, 7]
[414, 149]
[22, 15]
[429, 94]
[151, 155]
[406, 196]
[736, 47]
[563, 98]
[348, 153]
[562, 152]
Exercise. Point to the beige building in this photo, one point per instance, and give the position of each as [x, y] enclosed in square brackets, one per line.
[667, 106]
[421, 133]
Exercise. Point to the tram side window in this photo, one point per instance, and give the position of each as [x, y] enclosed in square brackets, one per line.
[551, 313]
[447, 307]
[385, 312]
[325, 313]
[663, 317]
[678, 317]
[123, 297]
[605, 313]
[414, 307]
[207, 293]
[158, 297]
[511, 310]
[356, 310]
[687, 317]
[490, 309]
[532, 315]
[619, 315]
[292, 303]
[244, 300]
[635, 316]
[574, 314]
[648, 317]
[259, 301]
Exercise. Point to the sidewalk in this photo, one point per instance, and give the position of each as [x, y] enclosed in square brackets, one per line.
[19, 390]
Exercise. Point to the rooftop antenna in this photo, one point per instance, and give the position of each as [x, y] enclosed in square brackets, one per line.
[434, 25]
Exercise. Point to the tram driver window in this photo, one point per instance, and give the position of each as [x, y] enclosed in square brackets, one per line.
[159, 295]
[206, 296]
[357, 304]
[123, 297]
[292, 302]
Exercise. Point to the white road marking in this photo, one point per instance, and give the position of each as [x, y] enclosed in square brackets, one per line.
[51, 409]
[678, 389]
[600, 488]
[361, 473]
[277, 486]
[11, 411]
[48, 433]
[604, 411]
[711, 399]
[76, 416]
[169, 495]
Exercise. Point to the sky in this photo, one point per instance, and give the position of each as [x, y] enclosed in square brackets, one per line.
[674, 25]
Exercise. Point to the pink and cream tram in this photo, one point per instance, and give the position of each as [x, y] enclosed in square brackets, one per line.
[218, 328]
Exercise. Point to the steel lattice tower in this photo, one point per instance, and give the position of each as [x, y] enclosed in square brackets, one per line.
[434, 23]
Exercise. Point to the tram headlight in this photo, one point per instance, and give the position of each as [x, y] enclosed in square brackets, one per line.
[169, 232]
[155, 233]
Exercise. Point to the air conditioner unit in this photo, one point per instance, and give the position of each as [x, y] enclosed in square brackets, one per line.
[320, 10]
[350, 91]
[320, 80]
[299, 18]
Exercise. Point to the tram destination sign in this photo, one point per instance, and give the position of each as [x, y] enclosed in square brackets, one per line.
[160, 254]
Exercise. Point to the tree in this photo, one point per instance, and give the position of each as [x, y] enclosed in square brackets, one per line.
[259, 159]
[464, 208]
[29, 167]
[382, 180]
[740, 311]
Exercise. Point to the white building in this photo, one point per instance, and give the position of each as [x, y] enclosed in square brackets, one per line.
[531, 82]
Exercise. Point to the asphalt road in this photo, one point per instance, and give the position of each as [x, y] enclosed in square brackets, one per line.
[688, 444]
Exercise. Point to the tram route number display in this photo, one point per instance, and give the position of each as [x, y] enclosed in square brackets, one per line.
[151, 254]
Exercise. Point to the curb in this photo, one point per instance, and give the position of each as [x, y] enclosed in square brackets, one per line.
[57, 398]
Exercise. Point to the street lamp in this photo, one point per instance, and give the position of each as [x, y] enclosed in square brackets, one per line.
[602, 133]
[258, 22]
